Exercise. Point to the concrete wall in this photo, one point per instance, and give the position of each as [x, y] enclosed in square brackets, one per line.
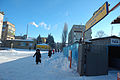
[80, 67]
[92, 60]
[97, 60]
[102, 42]
[106, 41]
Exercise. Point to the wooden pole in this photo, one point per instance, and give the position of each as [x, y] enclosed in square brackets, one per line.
[118, 74]
[70, 63]
[70, 57]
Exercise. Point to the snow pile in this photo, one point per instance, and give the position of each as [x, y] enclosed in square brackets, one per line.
[13, 54]
[59, 61]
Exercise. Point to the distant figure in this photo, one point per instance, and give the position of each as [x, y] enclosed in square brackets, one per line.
[49, 53]
[29, 48]
[58, 50]
[38, 56]
[80, 41]
[53, 51]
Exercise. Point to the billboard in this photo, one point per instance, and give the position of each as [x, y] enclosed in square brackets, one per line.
[97, 16]
[115, 41]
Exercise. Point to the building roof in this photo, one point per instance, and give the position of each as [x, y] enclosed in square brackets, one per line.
[9, 23]
[42, 44]
[21, 40]
[105, 38]
[2, 13]
[116, 21]
[44, 37]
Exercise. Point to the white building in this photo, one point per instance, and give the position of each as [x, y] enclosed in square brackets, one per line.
[8, 31]
[77, 32]
[1, 23]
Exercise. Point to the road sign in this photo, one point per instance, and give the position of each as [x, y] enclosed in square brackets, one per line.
[97, 16]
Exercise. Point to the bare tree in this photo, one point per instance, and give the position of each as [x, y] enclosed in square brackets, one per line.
[119, 34]
[64, 35]
[100, 34]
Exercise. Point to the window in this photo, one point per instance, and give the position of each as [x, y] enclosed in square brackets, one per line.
[30, 44]
[11, 27]
[4, 25]
[3, 29]
[27, 44]
[11, 32]
[23, 44]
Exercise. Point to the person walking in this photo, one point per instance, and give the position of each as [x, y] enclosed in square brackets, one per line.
[53, 51]
[38, 56]
[49, 53]
[58, 50]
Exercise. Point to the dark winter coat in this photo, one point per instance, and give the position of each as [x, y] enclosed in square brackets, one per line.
[49, 53]
[38, 56]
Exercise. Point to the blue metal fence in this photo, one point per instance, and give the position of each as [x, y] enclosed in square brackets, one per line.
[74, 49]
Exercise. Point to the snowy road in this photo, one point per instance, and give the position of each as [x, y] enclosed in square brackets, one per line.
[16, 66]
[20, 65]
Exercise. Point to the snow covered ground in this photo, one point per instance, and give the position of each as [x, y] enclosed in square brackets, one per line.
[20, 65]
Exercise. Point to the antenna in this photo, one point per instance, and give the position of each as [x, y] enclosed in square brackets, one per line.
[111, 30]
[6, 19]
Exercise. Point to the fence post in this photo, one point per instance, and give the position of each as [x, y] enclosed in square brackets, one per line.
[118, 76]
[70, 57]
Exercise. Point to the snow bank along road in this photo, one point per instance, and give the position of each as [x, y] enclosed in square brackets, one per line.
[20, 65]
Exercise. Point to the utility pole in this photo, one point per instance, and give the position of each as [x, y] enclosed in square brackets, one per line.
[27, 31]
[111, 30]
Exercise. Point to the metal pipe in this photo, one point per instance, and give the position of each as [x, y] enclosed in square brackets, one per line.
[115, 7]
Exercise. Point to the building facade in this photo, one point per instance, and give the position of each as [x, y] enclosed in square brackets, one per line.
[1, 23]
[21, 37]
[99, 56]
[8, 31]
[19, 43]
[76, 33]
[43, 39]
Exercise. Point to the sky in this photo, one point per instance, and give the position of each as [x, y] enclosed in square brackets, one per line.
[48, 16]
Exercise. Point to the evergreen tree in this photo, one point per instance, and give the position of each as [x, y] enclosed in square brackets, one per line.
[39, 40]
[64, 35]
[50, 41]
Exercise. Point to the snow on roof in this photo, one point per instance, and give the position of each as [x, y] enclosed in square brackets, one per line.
[105, 38]
[23, 40]
[87, 41]
[42, 44]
